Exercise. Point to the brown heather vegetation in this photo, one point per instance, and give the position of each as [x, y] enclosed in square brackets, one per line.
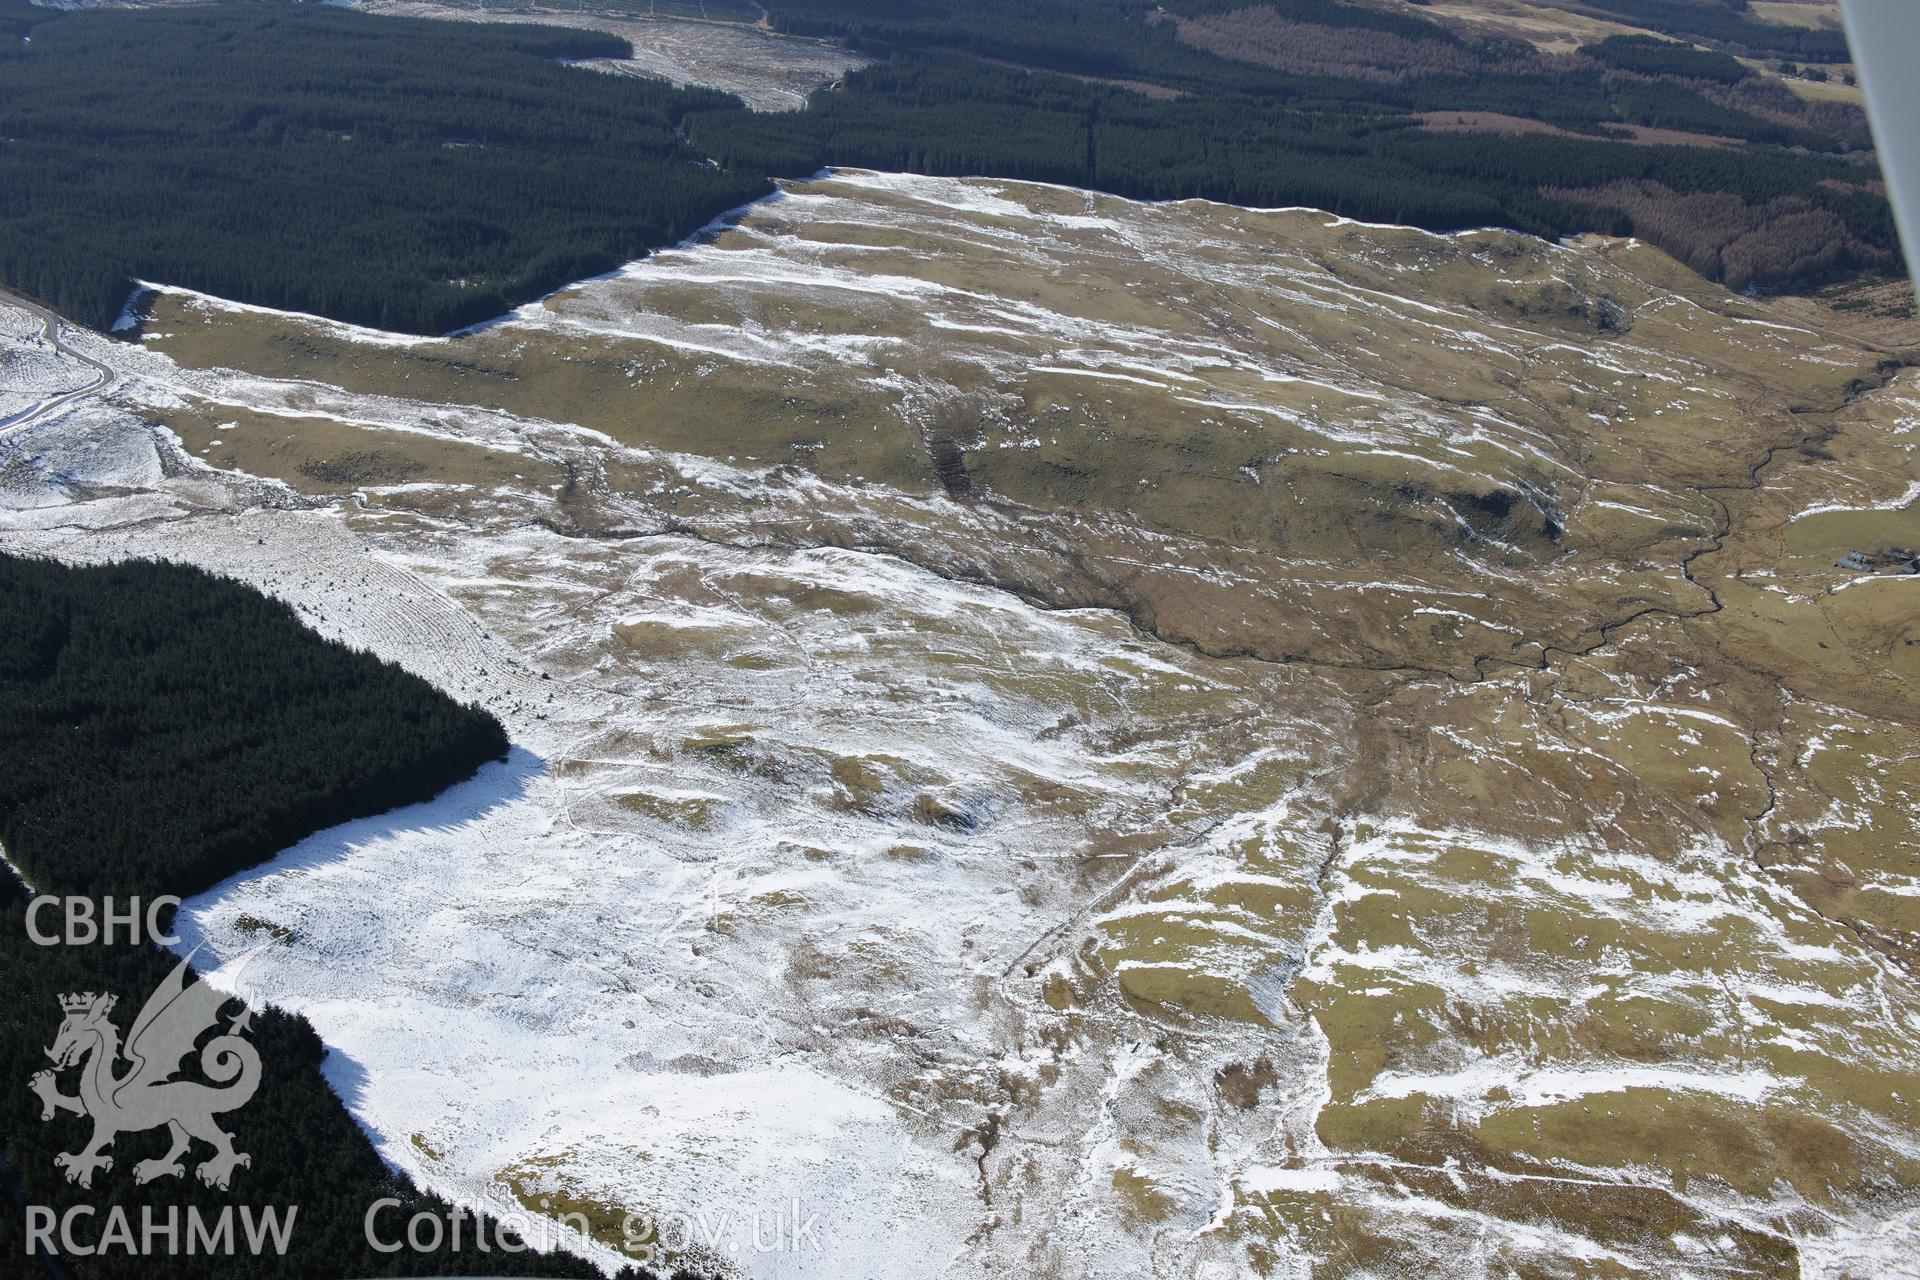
[1771, 100]
[1724, 238]
[1260, 34]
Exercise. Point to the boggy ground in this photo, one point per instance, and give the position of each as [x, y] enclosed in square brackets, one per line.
[1200, 741]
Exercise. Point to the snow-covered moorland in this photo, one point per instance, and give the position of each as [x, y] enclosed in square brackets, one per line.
[843, 870]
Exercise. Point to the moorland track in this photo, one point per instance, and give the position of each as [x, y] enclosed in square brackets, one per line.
[51, 327]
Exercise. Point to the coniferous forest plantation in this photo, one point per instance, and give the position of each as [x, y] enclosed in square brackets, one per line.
[409, 175]
[421, 176]
[160, 729]
[222, 729]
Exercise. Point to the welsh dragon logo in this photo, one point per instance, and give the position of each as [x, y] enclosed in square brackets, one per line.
[144, 1095]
